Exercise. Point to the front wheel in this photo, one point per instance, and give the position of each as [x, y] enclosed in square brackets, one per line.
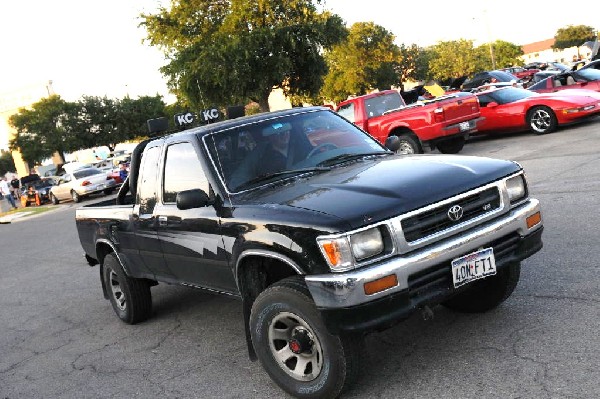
[488, 293]
[53, 199]
[130, 298]
[451, 146]
[541, 120]
[294, 346]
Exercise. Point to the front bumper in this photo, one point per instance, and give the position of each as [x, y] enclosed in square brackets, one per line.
[423, 275]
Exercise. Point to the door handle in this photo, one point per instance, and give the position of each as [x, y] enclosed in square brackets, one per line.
[162, 221]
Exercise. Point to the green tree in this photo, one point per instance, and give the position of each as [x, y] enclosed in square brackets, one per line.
[453, 59]
[105, 121]
[367, 60]
[7, 163]
[43, 129]
[573, 35]
[413, 64]
[506, 54]
[228, 52]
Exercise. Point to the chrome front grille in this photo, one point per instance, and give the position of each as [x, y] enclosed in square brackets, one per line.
[437, 220]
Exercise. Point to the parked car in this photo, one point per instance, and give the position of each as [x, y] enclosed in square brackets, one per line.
[512, 109]
[486, 77]
[36, 191]
[582, 79]
[539, 76]
[521, 73]
[548, 66]
[82, 183]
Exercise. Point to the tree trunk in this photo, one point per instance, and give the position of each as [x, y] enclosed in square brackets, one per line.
[263, 103]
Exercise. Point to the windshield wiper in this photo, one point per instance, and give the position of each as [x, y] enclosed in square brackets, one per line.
[269, 176]
[348, 157]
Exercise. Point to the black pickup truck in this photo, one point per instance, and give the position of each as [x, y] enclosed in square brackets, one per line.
[321, 232]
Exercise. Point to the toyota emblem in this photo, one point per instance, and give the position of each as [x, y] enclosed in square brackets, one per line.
[455, 213]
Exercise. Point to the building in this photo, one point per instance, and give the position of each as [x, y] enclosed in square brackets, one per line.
[543, 52]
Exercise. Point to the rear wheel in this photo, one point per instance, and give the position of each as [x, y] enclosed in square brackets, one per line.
[541, 120]
[451, 146]
[76, 197]
[130, 297]
[488, 293]
[408, 145]
[294, 346]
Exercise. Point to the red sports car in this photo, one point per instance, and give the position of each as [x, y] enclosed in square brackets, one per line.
[513, 109]
[588, 79]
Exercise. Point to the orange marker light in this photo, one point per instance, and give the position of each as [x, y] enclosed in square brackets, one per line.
[373, 287]
[333, 253]
[534, 219]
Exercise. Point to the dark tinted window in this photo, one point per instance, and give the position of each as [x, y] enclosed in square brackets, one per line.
[510, 95]
[484, 100]
[147, 181]
[503, 76]
[183, 171]
[376, 106]
[588, 74]
[86, 172]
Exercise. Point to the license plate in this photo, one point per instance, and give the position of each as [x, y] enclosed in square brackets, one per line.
[473, 266]
[464, 126]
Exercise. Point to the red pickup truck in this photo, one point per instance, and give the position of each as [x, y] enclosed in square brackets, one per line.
[443, 123]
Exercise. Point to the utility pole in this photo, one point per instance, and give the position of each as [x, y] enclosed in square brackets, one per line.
[487, 26]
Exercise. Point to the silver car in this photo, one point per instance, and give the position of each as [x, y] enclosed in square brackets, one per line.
[81, 183]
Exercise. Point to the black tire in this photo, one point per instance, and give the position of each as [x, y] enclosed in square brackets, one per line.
[130, 298]
[53, 199]
[541, 120]
[451, 146]
[331, 362]
[408, 145]
[488, 293]
[76, 197]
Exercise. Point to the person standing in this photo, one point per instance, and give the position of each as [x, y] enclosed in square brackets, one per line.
[5, 190]
[15, 184]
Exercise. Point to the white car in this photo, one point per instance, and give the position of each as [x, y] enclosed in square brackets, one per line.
[81, 183]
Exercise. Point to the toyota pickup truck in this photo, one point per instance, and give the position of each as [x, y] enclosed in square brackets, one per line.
[443, 122]
[322, 233]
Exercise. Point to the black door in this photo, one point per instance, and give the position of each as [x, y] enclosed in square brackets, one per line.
[191, 239]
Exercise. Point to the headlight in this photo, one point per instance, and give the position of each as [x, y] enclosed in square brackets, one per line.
[367, 243]
[342, 252]
[516, 188]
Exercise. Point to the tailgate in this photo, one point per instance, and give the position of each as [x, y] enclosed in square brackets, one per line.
[460, 109]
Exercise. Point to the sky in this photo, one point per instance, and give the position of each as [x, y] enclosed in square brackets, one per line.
[95, 48]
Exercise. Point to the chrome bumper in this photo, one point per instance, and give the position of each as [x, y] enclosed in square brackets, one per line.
[341, 290]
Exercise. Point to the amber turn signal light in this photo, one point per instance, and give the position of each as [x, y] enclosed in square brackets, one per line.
[534, 219]
[381, 284]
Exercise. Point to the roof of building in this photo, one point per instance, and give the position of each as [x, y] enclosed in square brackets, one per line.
[538, 46]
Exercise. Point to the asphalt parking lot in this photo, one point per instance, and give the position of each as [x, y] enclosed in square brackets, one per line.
[59, 338]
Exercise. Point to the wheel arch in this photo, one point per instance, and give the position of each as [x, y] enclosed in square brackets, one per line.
[256, 270]
[405, 130]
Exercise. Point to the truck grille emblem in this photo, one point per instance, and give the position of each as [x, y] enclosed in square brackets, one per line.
[455, 213]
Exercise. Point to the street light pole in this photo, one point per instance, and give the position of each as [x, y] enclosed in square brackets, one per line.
[487, 26]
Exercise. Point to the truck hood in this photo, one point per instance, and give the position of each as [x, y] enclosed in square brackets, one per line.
[371, 190]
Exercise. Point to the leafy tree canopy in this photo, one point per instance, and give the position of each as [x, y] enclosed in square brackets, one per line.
[453, 59]
[506, 54]
[7, 163]
[573, 35]
[367, 60]
[413, 64]
[226, 52]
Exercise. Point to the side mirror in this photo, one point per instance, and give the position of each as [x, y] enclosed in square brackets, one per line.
[392, 143]
[190, 199]
[492, 104]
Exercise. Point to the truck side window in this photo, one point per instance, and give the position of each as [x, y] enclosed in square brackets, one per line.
[347, 111]
[147, 183]
[183, 171]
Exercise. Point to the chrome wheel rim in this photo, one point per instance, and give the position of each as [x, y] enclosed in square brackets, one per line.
[405, 148]
[117, 292]
[540, 120]
[304, 366]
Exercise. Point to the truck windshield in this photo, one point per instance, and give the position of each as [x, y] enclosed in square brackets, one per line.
[291, 143]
